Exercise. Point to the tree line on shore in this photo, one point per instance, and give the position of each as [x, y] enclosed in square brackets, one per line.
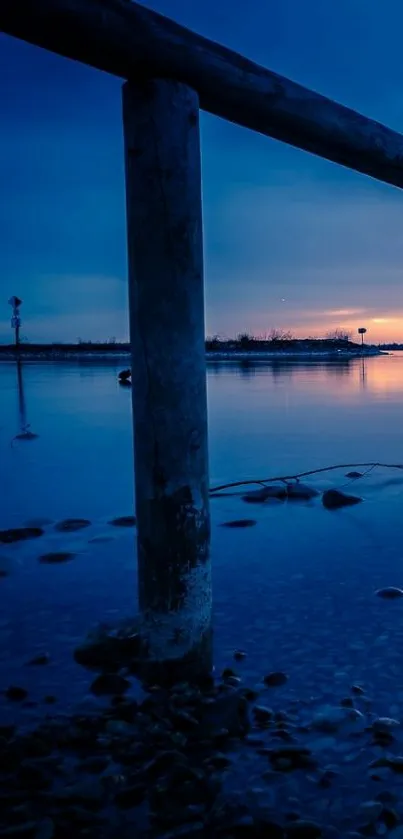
[275, 339]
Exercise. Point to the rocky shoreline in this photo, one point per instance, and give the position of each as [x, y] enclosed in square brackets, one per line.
[222, 761]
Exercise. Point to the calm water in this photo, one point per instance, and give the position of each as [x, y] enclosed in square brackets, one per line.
[296, 591]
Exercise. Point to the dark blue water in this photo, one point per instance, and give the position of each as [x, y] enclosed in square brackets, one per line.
[296, 591]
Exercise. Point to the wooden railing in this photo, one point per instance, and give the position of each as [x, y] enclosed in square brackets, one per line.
[130, 41]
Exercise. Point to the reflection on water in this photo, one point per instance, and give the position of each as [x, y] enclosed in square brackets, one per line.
[382, 374]
[22, 408]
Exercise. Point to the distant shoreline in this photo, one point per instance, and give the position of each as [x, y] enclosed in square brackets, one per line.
[8, 354]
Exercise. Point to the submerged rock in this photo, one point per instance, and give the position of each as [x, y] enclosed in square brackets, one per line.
[106, 647]
[226, 713]
[15, 693]
[303, 830]
[228, 671]
[259, 496]
[275, 680]
[393, 762]
[131, 796]
[124, 521]
[330, 718]
[70, 525]
[262, 714]
[89, 792]
[291, 757]
[233, 680]
[41, 659]
[239, 655]
[18, 534]
[45, 829]
[301, 492]
[383, 725]
[55, 557]
[390, 593]
[26, 435]
[109, 683]
[239, 523]
[354, 475]
[24, 830]
[333, 499]
[371, 810]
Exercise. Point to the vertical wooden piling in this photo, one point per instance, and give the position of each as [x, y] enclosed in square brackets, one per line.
[166, 298]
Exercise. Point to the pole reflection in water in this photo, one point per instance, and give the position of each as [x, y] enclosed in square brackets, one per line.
[363, 374]
[25, 433]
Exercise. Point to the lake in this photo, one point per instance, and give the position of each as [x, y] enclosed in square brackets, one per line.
[296, 591]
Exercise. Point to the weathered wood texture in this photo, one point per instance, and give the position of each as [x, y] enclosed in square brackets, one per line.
[128, 40]
[163, 186]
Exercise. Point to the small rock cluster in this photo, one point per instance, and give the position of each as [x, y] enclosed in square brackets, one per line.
[165, 766]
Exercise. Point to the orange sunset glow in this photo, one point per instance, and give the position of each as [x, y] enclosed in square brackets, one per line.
[382, 327]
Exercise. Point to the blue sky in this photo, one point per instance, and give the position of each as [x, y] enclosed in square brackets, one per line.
[291, 241]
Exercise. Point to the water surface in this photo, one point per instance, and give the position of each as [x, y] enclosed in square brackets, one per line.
[296, 591]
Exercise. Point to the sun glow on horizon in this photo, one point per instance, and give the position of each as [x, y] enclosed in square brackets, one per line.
[382, 328]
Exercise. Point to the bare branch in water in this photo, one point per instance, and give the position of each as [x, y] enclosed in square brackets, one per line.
[285, 478]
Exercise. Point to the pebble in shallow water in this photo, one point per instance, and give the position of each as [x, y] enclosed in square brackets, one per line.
[109, 683]
[384, 724]
[41, 659]
[239, 523]
[395, 763]
[357, 690]
[300, 492]
[15, 693]
[333, 499]
[303, 830]
[371, 810]
[275, 680]
[239, 655]
[70, 525]
[262, 714]
[389, 593]
[259, 496]
[331, 719]
[55, 557]
[19, 534]
[124, 521]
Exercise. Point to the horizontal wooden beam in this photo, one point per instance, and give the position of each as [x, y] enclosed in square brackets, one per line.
[128, 40]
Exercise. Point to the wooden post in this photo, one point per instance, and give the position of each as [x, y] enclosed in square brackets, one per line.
[166, 297]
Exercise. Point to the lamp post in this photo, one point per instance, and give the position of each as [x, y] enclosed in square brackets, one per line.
[15, 302]
[362, 330]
